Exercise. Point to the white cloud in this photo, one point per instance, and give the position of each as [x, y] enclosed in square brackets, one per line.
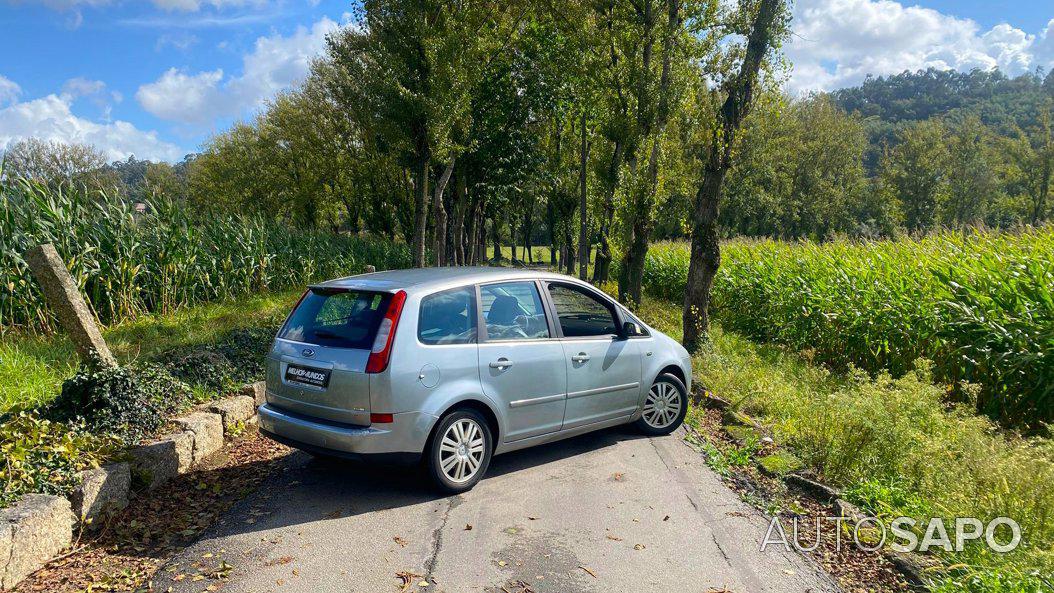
[9, 91]
[50, 118]
[836, 43]
[195, 5]
[276, 63]
[177, 96]
[180, 5]
[81, 87]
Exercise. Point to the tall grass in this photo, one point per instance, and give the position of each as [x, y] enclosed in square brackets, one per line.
[980, 305]
[130, 263]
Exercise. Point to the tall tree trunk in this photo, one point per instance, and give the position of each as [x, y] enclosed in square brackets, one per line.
[583, 243]
[420, 210]
[460, 206]
[527, 229]
[569, 251]
[601, 270]
[706, 248]
[439, 241]
[496, 228]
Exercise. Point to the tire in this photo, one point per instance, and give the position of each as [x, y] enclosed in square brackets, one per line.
[660, 417]
[451, 455]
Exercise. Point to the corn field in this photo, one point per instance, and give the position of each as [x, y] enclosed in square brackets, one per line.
[980, 305]
[129, 263]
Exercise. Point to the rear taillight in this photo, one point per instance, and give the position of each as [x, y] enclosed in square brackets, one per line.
[382, 418]
[382, 344]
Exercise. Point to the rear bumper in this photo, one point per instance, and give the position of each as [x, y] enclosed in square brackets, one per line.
[402, 440]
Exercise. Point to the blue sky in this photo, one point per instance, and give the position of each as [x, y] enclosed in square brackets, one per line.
[156, 78]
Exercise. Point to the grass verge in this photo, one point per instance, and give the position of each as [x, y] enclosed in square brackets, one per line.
[897, 446]
[32, 368]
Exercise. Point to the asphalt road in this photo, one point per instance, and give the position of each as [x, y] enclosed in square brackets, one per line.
[609, 511]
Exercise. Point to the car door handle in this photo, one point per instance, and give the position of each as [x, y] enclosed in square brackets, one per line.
[580, 357]
[501, 363]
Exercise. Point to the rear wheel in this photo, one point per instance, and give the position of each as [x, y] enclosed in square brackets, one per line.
[665, 407]
[460, 451]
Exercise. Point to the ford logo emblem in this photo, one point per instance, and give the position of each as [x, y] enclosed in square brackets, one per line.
[309, 353]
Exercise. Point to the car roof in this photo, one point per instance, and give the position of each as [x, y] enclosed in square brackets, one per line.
[428, 279]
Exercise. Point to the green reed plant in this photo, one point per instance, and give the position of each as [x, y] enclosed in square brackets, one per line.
[129, 263]
[979, 304]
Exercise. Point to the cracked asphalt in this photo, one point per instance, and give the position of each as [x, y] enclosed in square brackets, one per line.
[608, 511]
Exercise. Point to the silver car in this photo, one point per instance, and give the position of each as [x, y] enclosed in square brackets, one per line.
[455, 365]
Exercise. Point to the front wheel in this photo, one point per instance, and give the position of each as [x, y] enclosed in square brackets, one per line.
[460, 451]
[665, 407]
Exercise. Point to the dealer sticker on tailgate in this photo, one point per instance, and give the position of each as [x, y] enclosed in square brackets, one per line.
[307, 375]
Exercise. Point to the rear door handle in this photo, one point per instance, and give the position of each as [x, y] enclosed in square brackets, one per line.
[580, 357]
[501, 363]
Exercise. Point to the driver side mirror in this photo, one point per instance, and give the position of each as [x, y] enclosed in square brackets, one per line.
[630, 329]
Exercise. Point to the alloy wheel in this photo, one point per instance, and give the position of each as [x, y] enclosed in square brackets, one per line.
[461, 451]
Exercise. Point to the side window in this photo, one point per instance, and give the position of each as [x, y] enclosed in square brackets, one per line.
[581, 314]
[448, 317]
[513, 311]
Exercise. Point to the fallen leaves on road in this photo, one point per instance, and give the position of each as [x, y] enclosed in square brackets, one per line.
[613, 538]
[402, 542]
[407, 579]
[279, 561]
[638, 546]
[129, 548]
[618, 476]
[591, 573]
[468, 527]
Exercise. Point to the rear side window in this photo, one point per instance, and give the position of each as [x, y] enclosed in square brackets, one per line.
[338, 318]
[448, 317]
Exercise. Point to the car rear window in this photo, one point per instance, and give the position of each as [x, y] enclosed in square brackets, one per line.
[338, 318]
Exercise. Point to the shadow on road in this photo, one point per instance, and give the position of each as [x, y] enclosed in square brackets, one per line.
[308, 489]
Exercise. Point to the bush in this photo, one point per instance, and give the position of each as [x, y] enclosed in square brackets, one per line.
[128, 403]
[44, 457]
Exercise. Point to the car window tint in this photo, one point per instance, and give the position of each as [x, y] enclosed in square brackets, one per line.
[448, 317]
[513, 311]
[342, 318]
[580, 313]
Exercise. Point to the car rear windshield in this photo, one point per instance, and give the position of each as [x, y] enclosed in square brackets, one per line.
[338, 318]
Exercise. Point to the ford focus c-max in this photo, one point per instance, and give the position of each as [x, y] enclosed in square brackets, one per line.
[454, 365]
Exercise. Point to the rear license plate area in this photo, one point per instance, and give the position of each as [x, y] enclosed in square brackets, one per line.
[303, 375]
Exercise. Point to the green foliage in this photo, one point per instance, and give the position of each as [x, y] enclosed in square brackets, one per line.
[129, 403]
[895, 445]
[44, 457]
[887, 499]
[129, 264]
[978, 304]
[990, 581]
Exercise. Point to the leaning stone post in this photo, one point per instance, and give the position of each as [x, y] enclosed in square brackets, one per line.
[65, 300]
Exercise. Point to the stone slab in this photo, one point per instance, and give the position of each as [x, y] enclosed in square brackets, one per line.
[207, 429]
[103, 490]
[34, 530]
[234, 410]
[163, 459]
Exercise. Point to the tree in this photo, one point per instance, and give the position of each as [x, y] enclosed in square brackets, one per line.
[405, 74]
[1032, 153]
[766, 31]
[914, 174]
[57, 163]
